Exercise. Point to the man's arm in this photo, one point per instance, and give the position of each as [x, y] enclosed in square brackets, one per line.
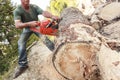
[49, 15]
[21, 25]
[45, 13]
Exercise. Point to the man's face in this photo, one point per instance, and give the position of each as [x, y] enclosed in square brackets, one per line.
[25, 2]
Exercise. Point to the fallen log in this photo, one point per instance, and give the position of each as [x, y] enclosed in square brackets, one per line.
[81, 53]
[105, 14]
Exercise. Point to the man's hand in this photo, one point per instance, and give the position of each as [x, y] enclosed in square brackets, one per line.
[33, 23]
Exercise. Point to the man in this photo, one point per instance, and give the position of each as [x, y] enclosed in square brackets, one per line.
[26, 16]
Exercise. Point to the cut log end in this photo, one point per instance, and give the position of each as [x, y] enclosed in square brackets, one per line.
[77, 61]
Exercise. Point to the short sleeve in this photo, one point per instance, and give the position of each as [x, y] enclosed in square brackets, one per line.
[16, 15]
[38, 9]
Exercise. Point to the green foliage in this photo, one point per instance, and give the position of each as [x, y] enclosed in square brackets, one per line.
[56, 6]
[8, 52]
[7, 32]
[3, 66]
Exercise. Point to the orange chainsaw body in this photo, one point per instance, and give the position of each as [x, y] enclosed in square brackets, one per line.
[43, 29]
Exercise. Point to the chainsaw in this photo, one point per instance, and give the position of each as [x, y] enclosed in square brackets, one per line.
[46, 27]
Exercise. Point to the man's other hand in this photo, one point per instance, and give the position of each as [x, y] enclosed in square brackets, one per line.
[55, 17]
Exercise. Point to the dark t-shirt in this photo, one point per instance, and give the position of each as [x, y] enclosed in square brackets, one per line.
[20, 14]
[24, 16]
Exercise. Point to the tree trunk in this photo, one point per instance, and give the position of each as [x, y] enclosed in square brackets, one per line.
[81, 53]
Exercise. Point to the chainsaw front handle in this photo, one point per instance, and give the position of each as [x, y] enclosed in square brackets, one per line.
[50, 24]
